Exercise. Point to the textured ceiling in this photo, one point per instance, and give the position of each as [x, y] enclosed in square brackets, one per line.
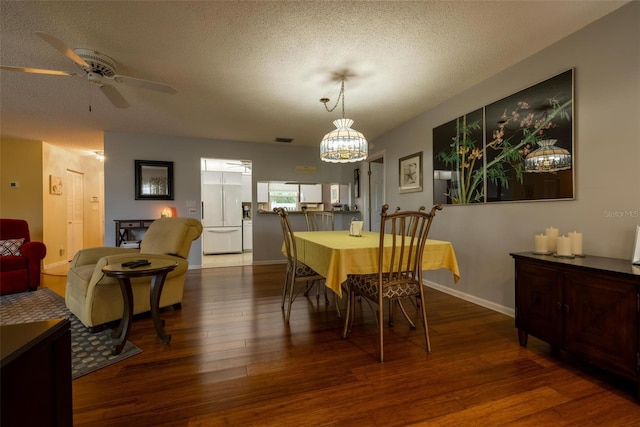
[255, 71]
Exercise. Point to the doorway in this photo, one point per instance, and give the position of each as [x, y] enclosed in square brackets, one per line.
[226, 200]
[376, 190]
[75, 213]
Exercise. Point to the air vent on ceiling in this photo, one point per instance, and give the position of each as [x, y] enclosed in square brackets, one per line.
[287, 140]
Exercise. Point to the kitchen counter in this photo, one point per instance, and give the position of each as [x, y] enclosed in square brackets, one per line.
[302, 213]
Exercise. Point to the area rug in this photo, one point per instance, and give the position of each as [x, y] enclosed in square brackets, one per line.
[89, 351]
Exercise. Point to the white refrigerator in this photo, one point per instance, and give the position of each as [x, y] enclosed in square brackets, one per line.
[221, 212]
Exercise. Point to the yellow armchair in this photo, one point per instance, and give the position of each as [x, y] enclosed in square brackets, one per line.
[96, 299]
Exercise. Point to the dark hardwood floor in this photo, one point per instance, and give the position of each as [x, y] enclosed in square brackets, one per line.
[233, 361]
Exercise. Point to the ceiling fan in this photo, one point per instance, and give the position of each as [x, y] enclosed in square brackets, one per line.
[98, 68]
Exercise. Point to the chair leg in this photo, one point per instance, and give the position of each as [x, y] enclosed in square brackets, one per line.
[381, 331]
[425, 324]
[284, 290]
[307, 287]
[348, 315]
[291, 284]
[411, 324]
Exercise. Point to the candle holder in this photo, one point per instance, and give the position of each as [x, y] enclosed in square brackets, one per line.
[557, 255]
[542, 253]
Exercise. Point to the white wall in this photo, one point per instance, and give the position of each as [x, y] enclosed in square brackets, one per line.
[606, 59]
[271, 162]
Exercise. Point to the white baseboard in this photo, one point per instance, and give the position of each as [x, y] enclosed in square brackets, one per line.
[55, 264]
[475, 300]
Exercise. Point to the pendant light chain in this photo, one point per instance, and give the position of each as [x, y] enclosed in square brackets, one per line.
[340, 96]
[343, 144]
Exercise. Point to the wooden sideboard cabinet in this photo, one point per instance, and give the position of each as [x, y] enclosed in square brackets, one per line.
[125, 229]
[587, 306]
[36, 374]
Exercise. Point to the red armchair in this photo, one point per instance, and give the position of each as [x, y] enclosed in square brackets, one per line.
[20, 258]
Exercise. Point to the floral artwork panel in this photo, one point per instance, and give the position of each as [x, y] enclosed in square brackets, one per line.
[458, 163]
[529, 143]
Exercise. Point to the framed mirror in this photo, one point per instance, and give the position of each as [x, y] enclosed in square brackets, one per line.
[154, 180]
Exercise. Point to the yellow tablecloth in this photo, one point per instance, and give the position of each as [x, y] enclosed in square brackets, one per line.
[334, 254]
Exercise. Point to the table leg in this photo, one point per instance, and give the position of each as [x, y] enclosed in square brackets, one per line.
[157, 282]
[522, 337]
[127, 316]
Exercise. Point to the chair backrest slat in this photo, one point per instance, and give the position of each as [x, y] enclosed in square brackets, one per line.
[319, 220]
[287, 235]
[400, 254]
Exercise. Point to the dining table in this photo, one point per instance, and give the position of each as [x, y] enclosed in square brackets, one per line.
[336, 254]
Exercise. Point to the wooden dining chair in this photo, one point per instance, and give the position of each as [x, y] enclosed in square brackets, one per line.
[399, 273]
[297, 272]
[319, 220]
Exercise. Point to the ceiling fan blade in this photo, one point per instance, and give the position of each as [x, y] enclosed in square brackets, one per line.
[35, 71]
[62, 47]
[114, 96]
[145, 84]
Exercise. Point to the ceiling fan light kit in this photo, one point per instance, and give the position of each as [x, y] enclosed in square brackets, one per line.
[100, 69]
[343, 144]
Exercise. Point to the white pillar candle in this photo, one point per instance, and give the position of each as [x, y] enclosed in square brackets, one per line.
[564, 246]
[552, 234]
[541, 244]
[576, 242]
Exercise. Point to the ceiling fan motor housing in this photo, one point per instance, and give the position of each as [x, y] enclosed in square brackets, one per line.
[100, 63]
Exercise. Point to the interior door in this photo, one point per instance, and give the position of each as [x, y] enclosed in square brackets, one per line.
[376, 192]
[75, 213]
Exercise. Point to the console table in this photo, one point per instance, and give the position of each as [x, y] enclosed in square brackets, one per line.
[125, 227]
[36, 374]
[588, 306]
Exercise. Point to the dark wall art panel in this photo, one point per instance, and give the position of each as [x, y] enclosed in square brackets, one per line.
[518, 148]
[529, 143]
[458, 165]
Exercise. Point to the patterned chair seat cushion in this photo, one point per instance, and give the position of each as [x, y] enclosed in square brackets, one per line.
[303, 270]
[367, 286]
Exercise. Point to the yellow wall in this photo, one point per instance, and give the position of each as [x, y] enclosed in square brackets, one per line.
[21, 162]
[30, 164]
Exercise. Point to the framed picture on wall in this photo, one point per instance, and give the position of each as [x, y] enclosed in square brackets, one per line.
[55, 185]
[410, 173]
[154, 180]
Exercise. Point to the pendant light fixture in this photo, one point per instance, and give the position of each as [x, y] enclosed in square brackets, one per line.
[343, 144]
[547, 158]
